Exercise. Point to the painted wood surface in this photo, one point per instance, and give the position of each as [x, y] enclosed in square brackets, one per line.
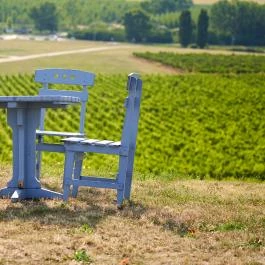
[75, 148]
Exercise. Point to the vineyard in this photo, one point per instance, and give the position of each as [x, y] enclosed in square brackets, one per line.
[207, 63]
[196, 125]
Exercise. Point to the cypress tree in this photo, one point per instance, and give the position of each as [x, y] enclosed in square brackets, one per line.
[185, 28]
[202, 29]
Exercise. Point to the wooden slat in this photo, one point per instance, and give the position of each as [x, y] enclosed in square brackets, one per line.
[103, 143]
[64, 76]
[50, 147]
[62, 134]
[72, 140]
[115, 144]
[97, 142]
[90, 141]
[97, 182]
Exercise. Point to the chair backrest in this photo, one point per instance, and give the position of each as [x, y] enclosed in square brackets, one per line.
[66, 77]
[132, 105]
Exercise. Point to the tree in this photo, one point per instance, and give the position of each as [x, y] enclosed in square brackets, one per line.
[243, 22]
[71, 8]
[202, 29]
[185, 28]
[137, 25]
[164, 6]
[9, 23]
[45, 17]
[223, 17]
[250, 29]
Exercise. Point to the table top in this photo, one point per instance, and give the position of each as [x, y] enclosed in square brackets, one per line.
[57, 99]
[35, 102]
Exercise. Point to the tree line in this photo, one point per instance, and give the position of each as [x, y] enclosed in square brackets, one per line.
[228, 22]
[239, 22]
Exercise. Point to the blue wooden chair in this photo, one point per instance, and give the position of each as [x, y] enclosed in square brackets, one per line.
[75, 148]
[64, 77]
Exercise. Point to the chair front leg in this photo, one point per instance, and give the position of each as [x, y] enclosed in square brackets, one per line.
[77, 172]
[68, 173]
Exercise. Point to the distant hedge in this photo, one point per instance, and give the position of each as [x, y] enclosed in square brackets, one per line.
[155, 36]
[101, 34]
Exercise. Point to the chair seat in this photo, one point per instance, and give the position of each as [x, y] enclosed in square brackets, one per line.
[94, 142]
[94, 145]
[62, 134]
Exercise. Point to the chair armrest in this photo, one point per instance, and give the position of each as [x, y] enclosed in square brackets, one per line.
[62, 134]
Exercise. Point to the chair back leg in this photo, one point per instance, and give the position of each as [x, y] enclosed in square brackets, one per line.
[77, 172]
[129, 172]
[121, 178]
[68, 172]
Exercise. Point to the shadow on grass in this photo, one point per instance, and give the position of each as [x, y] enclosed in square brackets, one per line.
[91, 207]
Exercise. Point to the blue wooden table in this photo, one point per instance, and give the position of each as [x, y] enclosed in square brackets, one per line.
[23, 116]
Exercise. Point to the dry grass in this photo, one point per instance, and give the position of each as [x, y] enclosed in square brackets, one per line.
[24, 47]
[112, 61]
[180, 222]
[109, 61]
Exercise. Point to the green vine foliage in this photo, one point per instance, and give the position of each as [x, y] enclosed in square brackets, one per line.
[197, 125]
[208, 63]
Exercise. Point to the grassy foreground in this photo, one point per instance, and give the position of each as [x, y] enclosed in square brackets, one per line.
[180, 222]
[168, 222]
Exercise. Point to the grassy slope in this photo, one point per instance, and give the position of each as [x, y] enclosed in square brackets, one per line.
[113, 61]
[181, 222]
[199, 125]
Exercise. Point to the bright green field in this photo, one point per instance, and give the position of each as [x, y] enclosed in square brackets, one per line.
[208, 63]
[198, 125]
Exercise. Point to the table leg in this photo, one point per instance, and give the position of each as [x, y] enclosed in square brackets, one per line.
[23, 194]
[24, 184]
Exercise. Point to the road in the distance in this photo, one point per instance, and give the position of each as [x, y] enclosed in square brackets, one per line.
[51, 54]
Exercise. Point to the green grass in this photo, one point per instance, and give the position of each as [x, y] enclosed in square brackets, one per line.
[82, 256]
[86, 228]
[231, 226]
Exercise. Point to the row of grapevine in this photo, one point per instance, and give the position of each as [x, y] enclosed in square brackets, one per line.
[208, 63]
[199, 125]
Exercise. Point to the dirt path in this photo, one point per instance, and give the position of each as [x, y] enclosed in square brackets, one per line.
[51, 54]
[110, 47]
[111, 58]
